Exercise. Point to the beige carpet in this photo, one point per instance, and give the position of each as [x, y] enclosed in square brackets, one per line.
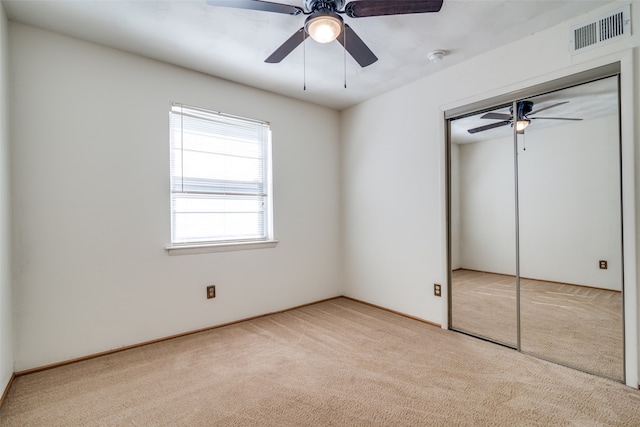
[574, 325]
[336, 363]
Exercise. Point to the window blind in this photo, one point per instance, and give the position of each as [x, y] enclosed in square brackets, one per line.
[220, 171]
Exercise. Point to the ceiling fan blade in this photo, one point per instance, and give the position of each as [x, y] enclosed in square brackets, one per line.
[363, 8]
[553, 118]
[287, 47]
[264, 6]
[546, 108]
[356, 47]
[497, 116]
[487, 127]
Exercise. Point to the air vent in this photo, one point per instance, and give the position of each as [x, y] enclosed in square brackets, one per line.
[613, 26]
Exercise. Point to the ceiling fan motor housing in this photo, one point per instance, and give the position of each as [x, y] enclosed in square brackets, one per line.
[524, 108]
[332, 5]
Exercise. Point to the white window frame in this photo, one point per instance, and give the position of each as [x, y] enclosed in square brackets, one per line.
[221, 190]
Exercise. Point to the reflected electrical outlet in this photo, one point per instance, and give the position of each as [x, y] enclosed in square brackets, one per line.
[437, 290]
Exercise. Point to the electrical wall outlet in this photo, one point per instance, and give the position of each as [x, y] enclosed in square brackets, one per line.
[437, 289]
[603, 264]
[211, 291]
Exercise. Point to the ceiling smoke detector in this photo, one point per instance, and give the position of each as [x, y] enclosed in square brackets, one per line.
[436, 56]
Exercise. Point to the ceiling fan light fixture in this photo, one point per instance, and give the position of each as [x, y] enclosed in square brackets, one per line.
[522, 124]
[324, 27]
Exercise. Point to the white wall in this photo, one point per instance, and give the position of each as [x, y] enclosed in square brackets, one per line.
[454, 195]
[570, 204]
[487, 206]
[90, 156]
[6, 328]
[392, 162]
[393, 167]
[569, 195]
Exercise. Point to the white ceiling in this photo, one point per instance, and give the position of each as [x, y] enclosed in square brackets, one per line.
[233, 43]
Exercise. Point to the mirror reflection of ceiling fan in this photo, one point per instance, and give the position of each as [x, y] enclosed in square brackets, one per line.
[525, 111]
[324, 23]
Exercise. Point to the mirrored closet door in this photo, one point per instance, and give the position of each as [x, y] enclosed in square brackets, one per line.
[483, 237]
[535, 230]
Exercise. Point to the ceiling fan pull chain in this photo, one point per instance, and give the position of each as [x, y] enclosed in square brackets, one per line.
[304, 62]
[344, 54]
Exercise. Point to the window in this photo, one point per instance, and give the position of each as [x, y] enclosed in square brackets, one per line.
[220, 178]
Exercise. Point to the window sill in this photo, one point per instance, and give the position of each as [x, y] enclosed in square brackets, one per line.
[219, 247]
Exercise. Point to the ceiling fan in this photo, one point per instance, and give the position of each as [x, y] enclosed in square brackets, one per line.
[324, 23]
[524, 113]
